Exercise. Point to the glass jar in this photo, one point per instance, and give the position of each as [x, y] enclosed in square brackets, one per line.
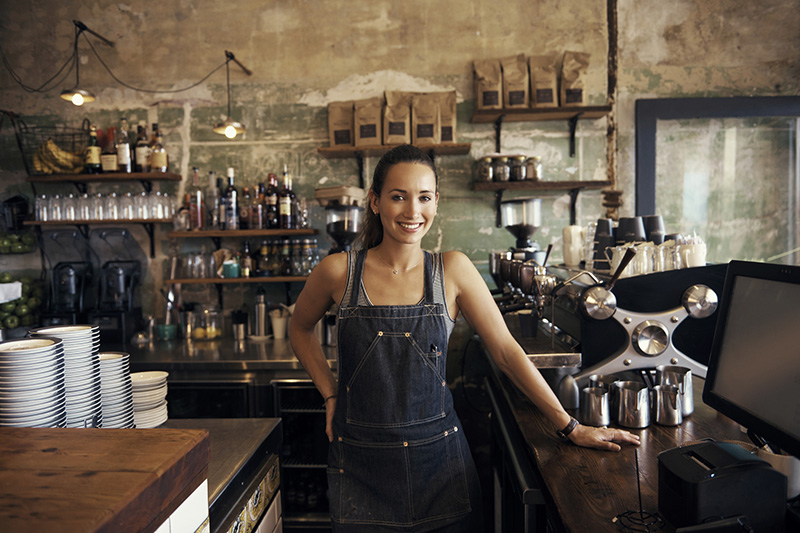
[517, 168]
[534, 168]
[485, 169]
[500, 169]
[207, 323]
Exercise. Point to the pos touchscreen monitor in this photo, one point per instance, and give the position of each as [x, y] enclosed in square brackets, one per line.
[754, 368]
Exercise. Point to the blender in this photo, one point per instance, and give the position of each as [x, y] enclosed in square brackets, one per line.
[116, 315]
[69, 284]
[522, 217]
[342, 214]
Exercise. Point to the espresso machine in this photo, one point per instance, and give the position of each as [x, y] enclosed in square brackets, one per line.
[342, 214]
[522, 217]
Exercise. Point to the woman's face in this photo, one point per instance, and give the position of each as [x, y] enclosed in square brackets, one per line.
[407, 204]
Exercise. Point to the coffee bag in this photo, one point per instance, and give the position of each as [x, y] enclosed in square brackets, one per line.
[544, 80]
[367, 119]
[488, 84]
[397, 118]
[573, 75]
[340, 123]
[447, 116]
[515, 81]
[425, 119]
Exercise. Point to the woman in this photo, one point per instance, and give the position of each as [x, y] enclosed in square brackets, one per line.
[398, 460]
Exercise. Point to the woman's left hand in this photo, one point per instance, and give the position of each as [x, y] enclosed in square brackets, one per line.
[602, 438]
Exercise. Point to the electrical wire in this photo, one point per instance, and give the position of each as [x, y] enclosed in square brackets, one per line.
[71, 61]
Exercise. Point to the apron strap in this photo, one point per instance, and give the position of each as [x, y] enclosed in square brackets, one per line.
[359, 270]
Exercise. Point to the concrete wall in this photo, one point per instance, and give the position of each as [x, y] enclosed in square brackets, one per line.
[304, 54]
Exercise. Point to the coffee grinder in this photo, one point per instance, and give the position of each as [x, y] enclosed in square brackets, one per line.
[115, 314]
[69, 287]
[342, 214]
[522, 217]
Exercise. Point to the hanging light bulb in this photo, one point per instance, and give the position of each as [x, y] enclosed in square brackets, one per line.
[230, 128]
[76, 95]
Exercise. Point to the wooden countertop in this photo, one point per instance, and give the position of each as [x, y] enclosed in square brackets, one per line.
[586, 488]
[97, 479]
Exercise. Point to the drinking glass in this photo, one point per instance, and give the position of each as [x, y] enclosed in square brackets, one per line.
[99, 207]
[85, 207]
[126, 202]
[55, 205]
[69, 207]
[112, 206]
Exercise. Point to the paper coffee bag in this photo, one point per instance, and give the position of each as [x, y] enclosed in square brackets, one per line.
[488, 84]
[397, 118]
[425, 119]
[573, 76]
[515, 81]
[544, 80]
[447, 116]
[340, 123]
[367, 120]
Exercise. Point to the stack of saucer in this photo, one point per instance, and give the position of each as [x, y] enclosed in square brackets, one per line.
[81, 372]
[32, 392]
[116, 390]
[149, 398]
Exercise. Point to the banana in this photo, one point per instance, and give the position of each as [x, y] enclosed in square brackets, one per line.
[60, 161]
[42, 163]
[68, 159]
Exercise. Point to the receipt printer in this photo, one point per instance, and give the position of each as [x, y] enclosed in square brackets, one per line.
[712, 480]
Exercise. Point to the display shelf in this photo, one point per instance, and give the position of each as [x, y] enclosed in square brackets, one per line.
[539, 185]
[213, 234]
[379, 150]
[486, 116]
[148, 224]
[106, 176]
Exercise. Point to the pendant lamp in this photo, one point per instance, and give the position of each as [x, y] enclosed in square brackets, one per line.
[231, 128]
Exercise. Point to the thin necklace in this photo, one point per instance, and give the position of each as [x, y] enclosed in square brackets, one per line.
[397, 271]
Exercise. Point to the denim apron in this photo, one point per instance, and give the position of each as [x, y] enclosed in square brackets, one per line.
[399, 460]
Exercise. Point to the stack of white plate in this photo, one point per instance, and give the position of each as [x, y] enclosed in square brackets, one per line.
[81, 370]
[149, 398]
[32, 391]
[116, 389]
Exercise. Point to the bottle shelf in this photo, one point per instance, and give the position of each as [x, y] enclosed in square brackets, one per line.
[105, 176]
[198, 234]
[539, 185]
[233, 281]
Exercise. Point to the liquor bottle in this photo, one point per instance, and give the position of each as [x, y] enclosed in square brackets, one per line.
[286, 202]
[221, 212]
[92, 155]
[244, 209]
[271, 202]
[142, 150]
[257, 218]
[212, 201]
[197, 206]
[108, 156]
[263, 267]
[246, 261]
[159, 160]
[231, 204]
[124, 160]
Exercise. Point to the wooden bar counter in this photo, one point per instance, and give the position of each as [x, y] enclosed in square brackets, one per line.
[578, 489]
[97, 479]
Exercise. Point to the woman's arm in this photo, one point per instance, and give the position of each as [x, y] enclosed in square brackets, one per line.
[322, 288]
[473, 299]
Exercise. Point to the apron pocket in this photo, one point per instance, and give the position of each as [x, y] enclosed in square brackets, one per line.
[400, 484]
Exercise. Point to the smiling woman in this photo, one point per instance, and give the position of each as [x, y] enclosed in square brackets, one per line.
[398, 459]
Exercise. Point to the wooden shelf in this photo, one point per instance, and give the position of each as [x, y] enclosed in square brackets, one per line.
[212, 234]
[231, 281]
[539, 185]
[44, 223]
[379, 150]
[106, 176]
[486, 116]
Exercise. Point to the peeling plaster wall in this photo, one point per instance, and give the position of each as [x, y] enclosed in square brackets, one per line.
[304, 54]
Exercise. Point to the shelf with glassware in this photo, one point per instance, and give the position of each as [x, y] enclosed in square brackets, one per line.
[146, 178]
[148, 224]
[216, 235]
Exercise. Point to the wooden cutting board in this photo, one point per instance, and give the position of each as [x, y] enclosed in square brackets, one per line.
[97, 479]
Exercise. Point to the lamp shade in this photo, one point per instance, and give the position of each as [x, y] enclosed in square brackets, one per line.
[229, 128]
[78, 96]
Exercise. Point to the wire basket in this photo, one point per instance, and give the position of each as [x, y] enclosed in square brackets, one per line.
[52, 149]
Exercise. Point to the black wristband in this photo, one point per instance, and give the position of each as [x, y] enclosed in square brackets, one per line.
[564, 433]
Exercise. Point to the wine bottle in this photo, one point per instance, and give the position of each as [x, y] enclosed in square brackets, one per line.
[244, 209]
[159, 160]
[271, 202]
[246, 261]
[286, 202]
[92, 155]
[108, 156]
[142, 150]
[124, 160]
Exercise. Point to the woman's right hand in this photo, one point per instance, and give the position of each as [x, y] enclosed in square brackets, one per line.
[330, 408]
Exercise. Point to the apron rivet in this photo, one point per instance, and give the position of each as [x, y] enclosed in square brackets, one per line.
[455, 428]
[444, 383]
[445, 433]
[380, 334]
[341, 470]
[340, 439]
[408, 334]
[405, 443]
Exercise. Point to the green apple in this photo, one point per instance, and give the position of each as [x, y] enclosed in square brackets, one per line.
[11, 322]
